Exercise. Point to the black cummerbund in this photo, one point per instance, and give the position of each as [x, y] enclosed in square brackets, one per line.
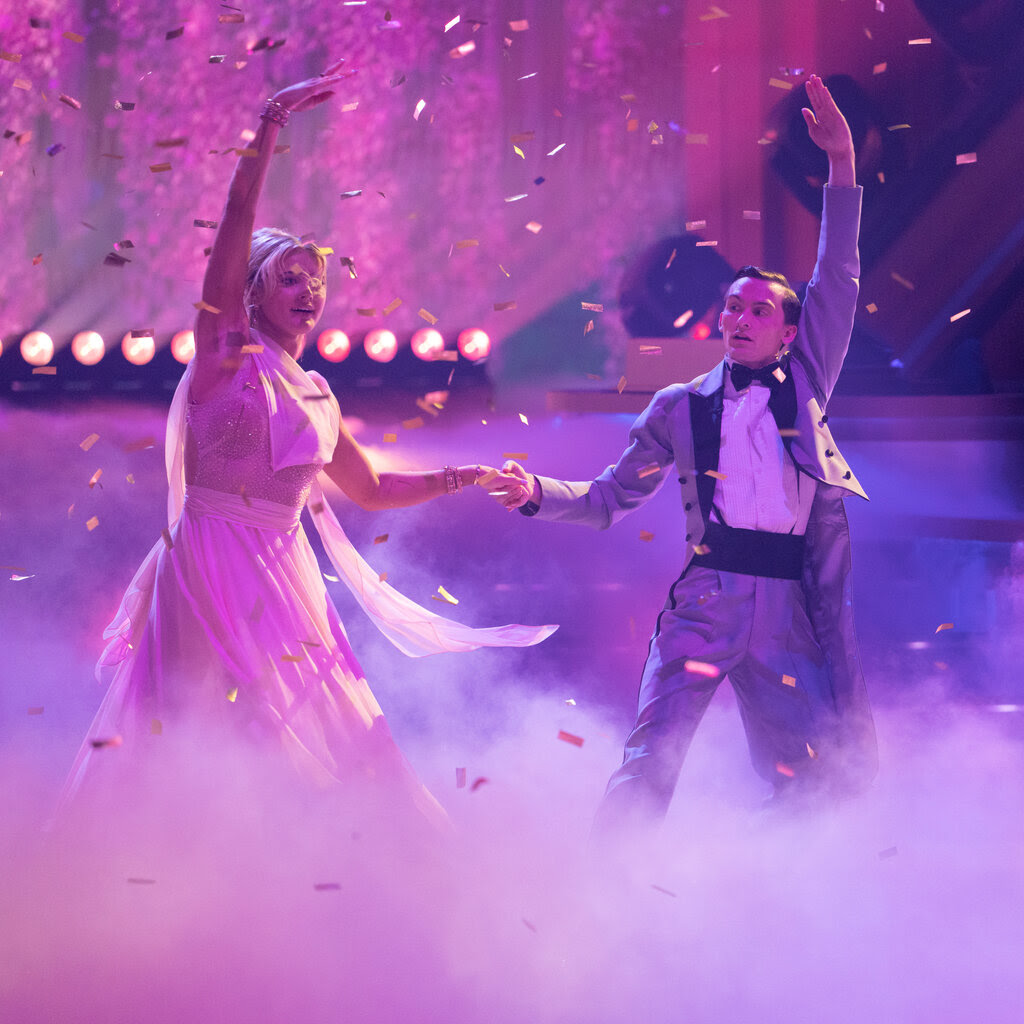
[752, 552]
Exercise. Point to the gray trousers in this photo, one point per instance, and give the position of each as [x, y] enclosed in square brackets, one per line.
[754, 630]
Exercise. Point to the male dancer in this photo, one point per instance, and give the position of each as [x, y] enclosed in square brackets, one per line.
[764, 595]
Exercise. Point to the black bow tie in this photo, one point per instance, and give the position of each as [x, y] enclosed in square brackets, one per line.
[744, 376]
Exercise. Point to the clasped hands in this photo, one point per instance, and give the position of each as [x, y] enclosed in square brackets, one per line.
[511, 487]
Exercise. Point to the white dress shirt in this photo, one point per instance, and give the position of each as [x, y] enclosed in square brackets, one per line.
[761, 489]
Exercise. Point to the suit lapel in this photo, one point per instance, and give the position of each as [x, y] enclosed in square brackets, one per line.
[706, 427]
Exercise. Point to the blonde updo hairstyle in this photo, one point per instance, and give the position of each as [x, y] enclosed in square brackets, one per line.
[268, 260]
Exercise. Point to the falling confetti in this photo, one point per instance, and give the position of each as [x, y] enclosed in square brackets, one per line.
[789, 681]
[568, 737]
[701, 668]
[943, 626]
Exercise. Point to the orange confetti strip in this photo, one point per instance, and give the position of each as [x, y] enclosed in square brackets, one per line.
[248, 350]
[944, 626]
[392, 306]
[898, 127]
[780, 83]
[649, 470]
[649, 350]
[159, 168]
[34, 711]
[632, 125]
[382, 578]
[683, 319]
[899, 279]
[568, 737]
[292, 658]
[467, 243]
[248, 152]
[788, 432]
[390, 438]
[206, 307]
[959, 316]
[519, 26]
[500, 307]
[91, 524]
[443, 595]
[646, 536]
[779, 375]
[22, 83]
[232, 694]
[713, 243]
[140, 444]
[924, 41]
[621, 386]
[871, 307]
[701, 549]
[462, 51]
[966, 158]
[879, 69]
[534, 226]
[95, 478]
[811, 752]
[429, 317]
[367, 310]
[14, 58]
[714, 473]
[45, 371]
[701, 668]
[382, 539]
[414, 424]
[517, 456]
[88, 442]
[784, 769]
[69, 101]
[588, 327]
[712, 14]
[593, 307]
[789, 680]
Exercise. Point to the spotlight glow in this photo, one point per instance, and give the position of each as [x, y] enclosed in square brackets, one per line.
[380, 345]
[138, 351]
[183, 346]
[702, 332]
[474, 344]
[88, 347]
[37, 348]
[334, 345]
[427, 344]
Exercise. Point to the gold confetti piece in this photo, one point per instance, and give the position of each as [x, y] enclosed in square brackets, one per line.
[519, 152]
[701, 549]
[902, 280]
[871, 307]
[91, 524]
[519, 26]
[646, 535]
[789, 680]
[779, 375]
[779, 83]
[21, 83]
[248, 152]
[784, 769]
[701, 668]
[503, 270]
[897, 127]
[500, 307]
[683, 319]
[885, 854]
[944, 625]
[445, 596]
[788, 432]
[959, 316]
[382, 578]
[460, 778]
[390, 438]
[751, 214]
[588, 327]
[170, 143]
[69, 101]
[159, 168]
[714, 473]
[45, 371]
[568, 737]
[95, 478]
[811, 752]
[534, 226]
[392, 306]
[594, 307]
[466, 243]
[230, 19]
[156, 727]
[347, 107]
[517, 456]
[881, 177]
[382, 539]
[14, 58]
[621, 386]
[924, 41]
[86, 444]
[232, 694]
[966, 158]
[248, 350]
[35, 711]
[879, 69]
[413, 424]
[712, 14]
[522, 417]
[649, 470]
[205, 306]
[429, 317]
[700, 244]
[366, 311]
[292, 658]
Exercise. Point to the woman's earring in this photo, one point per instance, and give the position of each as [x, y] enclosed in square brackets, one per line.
[252, 316]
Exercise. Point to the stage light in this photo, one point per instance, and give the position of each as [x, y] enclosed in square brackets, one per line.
[138, 351]
[702, 332]
[37, 348]
[333, 345]
[380, 345]
[427, 344]
[183, 346]
[474, 344]
[88, 347]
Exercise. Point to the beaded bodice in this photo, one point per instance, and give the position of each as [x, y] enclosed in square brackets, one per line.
[227, 445]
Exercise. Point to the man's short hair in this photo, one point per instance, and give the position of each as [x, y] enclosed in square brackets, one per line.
[790, 303]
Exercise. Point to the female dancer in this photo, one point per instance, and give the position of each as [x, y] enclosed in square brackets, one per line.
[228, 622]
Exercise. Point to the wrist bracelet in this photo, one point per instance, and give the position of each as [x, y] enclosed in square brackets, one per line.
[453, 479]
[276, 112]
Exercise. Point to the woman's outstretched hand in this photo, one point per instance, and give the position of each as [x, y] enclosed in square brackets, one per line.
[314, 91]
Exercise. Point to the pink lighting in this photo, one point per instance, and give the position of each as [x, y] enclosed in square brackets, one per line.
[474, 344]
[702, 332]
[183, 346]
[334, 345]
[138, 351]
[88, 347]
[380, 345]
[37, 348]
[427, 344]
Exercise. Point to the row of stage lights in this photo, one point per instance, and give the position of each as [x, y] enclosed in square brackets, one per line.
[380, 345]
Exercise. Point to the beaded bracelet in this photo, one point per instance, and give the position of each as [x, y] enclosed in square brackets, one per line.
[276, 112]
[453, 479]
